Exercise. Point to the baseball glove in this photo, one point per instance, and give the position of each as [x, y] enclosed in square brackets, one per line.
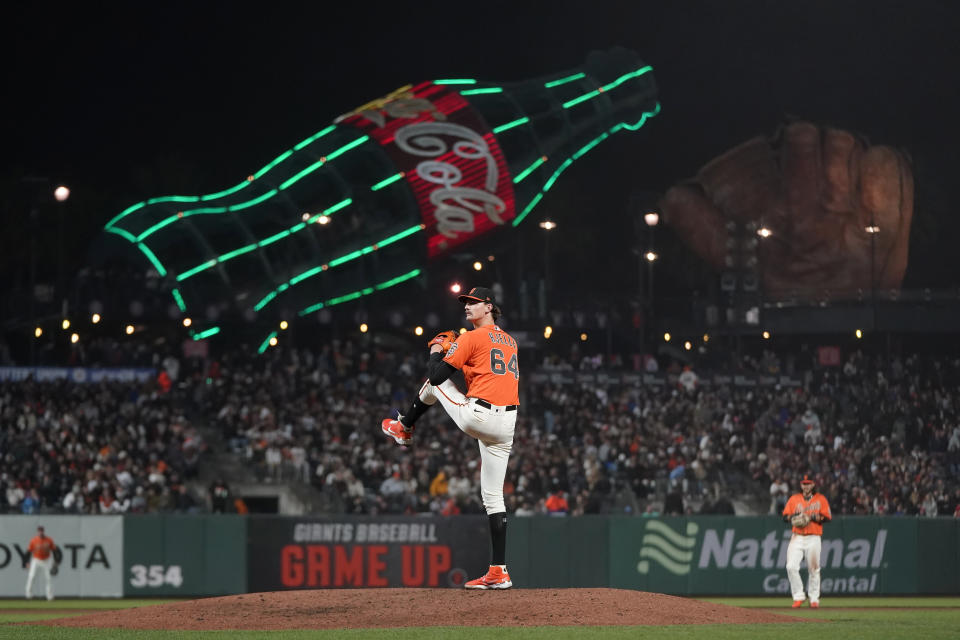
[800, 520]
[445, 339]
[55, 570]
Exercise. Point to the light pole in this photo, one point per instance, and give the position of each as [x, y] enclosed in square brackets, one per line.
[651, 257]
[873, 230]
[547, 225]
[32, 221]
[652, 219]
[60, 194]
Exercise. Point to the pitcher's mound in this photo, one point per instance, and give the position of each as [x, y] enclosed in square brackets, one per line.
[359, 608]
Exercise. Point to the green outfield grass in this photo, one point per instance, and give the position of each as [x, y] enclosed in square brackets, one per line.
[867, 618]
[77, 603]
[828, 602]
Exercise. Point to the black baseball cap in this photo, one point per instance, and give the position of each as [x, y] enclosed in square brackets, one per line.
[478, 294]
[808, 479]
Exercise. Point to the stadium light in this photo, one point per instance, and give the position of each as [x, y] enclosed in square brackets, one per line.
[37, 332]
[61, 193]
[323, 219]
[74, 338]
[283, 325]
[273, 341]
[547, 332]
[548, 225]
[364, 328]
[418, 331]
[858, 333]
[652, 218]
[455, 287]
[706, 337]
[477, 266]
[764, 232]
[65, 324]
[463, 330]
[651, 256]
[583, 337]
[187, 322]
[666, 337]
[129, 329]
[95, 318]
[766, 335]
[687, 345]
[872, 228]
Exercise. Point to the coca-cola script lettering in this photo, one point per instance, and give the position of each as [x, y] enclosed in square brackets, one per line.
[454, 205]
[448, 156]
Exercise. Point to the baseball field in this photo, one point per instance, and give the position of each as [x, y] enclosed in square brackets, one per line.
[441, 613]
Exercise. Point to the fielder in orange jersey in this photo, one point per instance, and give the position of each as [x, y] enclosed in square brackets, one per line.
[806, 512]
[42, 549]
[487, 355]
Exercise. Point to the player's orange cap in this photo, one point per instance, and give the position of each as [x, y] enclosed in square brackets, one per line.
[807, 479]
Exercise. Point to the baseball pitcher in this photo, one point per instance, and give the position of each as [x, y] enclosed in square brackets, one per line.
[487, 355]
[806, 512]
[41, 550]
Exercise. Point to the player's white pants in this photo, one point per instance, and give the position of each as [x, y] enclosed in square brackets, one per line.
[804, 548]
[46, 565]
[493, 429]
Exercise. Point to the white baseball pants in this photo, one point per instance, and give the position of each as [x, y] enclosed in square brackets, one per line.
[493, 429]
[807, 549]
[45, 565]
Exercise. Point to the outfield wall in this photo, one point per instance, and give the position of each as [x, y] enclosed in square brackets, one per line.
[180, 555]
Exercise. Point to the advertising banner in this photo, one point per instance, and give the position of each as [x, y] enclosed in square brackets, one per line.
[76, 374]
[747, 555]
[184, 555]
[91, 562]
[660, 379]
[449, 157]
[370, 551]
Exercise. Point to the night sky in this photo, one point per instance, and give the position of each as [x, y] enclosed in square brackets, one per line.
[126, 101]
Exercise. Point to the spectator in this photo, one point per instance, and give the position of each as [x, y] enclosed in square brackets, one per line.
[30, 503]
[557, 504]
[183, 501]
[688, 380]
[871, 429]
[439, 486]
[673, 505]
[138, 503]
[779, 494]
[811, 425]
[219, 496]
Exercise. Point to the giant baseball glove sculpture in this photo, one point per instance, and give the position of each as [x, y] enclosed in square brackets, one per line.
[834, 206]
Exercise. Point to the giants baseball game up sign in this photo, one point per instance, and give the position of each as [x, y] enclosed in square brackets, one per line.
[312, 553]
[448, 156]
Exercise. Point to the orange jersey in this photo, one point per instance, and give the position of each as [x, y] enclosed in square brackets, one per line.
[488, 358]
[41, 548]
[816, 504]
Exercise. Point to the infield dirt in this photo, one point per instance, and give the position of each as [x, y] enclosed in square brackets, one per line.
[368, 608]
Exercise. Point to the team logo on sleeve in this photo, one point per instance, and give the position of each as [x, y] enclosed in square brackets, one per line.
[452, 350]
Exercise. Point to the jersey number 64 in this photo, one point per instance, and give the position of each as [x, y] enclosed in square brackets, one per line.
[499, 367]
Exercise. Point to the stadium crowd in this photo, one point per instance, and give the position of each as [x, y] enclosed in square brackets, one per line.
[106, 447]
[880, 434]
[882, 437]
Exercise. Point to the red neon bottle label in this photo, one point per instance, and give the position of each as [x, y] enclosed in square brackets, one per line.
[448, 156]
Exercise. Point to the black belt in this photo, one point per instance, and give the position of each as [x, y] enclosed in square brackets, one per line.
[484, 403]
